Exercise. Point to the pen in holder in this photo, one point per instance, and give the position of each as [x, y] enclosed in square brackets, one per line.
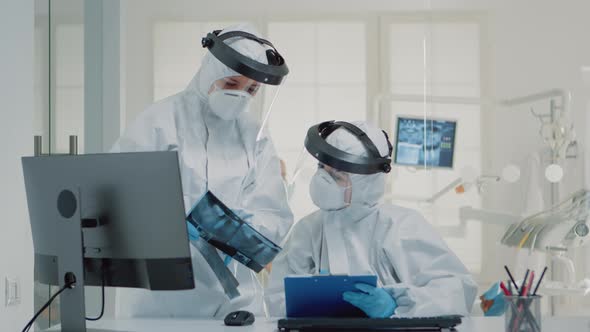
[523, 313]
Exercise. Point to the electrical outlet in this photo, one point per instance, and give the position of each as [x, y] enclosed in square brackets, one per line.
[11, 292]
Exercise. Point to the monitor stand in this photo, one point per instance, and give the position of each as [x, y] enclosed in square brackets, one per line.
[70, 262]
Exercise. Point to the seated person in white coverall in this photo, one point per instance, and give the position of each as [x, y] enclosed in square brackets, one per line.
[354, 234]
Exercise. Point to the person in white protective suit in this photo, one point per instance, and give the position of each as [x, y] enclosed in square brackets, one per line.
[220, 149]
[354, 234]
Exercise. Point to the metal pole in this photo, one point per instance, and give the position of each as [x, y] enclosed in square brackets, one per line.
[38, 146]
[73, 144]
[554, 159]
[554, 187]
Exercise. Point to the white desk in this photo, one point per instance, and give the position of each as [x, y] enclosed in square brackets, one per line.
[474, 324]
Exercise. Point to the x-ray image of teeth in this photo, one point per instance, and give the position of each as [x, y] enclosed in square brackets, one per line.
[432, 147]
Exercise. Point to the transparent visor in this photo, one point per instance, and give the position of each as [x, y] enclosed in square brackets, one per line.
[259, 97]
[341, 178]
[267, 103]
[303, 170]
[240, 84]
[307, 165]
[245, 94]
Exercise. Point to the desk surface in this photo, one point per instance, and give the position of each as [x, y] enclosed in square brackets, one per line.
[472, 324]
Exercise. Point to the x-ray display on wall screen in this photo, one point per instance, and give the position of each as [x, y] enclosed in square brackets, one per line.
[425, 142]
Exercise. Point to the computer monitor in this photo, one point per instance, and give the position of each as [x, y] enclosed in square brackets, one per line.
[108, 219]
[425, 142]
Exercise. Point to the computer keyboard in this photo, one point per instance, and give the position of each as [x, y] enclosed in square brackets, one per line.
[439, 323]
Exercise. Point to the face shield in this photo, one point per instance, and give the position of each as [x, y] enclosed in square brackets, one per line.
[232, 94]
[331, 185]
[239, 84]
[317, 146]
[331, 189]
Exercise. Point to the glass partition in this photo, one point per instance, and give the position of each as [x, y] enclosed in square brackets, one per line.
[485, 102]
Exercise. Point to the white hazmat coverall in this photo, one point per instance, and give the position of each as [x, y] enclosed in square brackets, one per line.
[225, 157]
[410, 260]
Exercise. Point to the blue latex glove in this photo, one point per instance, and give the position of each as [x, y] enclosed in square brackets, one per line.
[375, 302]
[227, 260]
[193, 232]
[495, 294]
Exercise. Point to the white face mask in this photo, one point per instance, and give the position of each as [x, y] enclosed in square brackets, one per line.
[326, 193]
[229, 104]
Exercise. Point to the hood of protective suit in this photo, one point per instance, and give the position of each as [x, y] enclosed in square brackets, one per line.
[367, 190]
[212, 69]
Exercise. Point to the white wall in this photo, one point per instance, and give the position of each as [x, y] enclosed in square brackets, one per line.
[16, 140]
[141, 14]
[534, 45]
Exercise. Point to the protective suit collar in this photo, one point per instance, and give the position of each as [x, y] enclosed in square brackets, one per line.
[334, 224]
[352, 213]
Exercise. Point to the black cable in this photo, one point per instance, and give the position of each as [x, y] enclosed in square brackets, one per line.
[47, 304]
[67, 286]
[102, 306]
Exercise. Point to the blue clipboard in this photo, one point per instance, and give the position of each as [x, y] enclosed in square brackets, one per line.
[321, 296]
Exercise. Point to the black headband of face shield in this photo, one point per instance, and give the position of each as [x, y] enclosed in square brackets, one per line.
[316, 145]
[272, 74]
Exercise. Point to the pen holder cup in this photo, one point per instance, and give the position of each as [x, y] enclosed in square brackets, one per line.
[523, 313]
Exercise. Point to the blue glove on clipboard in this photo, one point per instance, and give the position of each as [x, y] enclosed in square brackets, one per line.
[321, 296]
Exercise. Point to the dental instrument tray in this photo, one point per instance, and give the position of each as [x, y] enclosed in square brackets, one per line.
[224, 230]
